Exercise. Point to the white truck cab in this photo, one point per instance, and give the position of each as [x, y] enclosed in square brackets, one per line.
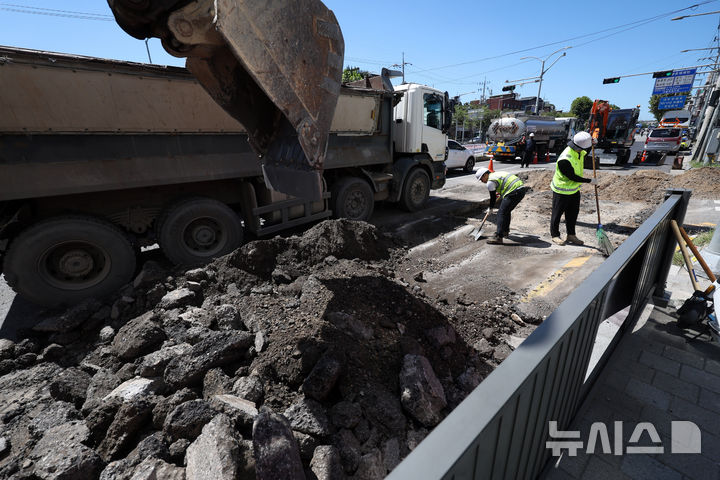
[421, 121]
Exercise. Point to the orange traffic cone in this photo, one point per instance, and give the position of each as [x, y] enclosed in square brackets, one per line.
[490, 165]
[547, 156]
[535, 159]
[642, 160]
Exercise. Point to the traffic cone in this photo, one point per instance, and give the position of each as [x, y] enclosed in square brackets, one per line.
[642, 160]
[490, 165]
[547, 156]
[535, 159]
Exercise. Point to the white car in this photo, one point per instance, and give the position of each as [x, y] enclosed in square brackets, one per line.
[459, 157]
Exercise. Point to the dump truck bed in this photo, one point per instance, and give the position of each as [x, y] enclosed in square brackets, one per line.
[75, 124]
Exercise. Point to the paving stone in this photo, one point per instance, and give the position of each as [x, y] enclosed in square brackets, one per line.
[647, 393]
[645, 467]
[638, 344]
[598, 469]
[676, 386]
[709, 400]
[690, 465]
[713, 367]
[660, 418]
[619, 402]
[700, 377]
[575, 465]
[557, 474]
[705, 419]
[693, 359]
[660, 363]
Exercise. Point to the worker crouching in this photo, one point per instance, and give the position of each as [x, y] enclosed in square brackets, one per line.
[511, 191]
[566, 188]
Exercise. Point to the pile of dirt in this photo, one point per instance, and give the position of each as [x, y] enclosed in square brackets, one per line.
[641, 186]
[303, 354]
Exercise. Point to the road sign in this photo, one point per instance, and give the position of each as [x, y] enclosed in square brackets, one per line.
[672, 103]
[681, 81]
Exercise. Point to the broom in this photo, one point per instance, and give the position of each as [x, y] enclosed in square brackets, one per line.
[604, 243]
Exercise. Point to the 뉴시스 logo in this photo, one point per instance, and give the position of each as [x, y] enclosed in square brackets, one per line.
[685, 437]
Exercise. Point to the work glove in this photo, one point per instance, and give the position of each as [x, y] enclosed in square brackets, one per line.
[593, 181]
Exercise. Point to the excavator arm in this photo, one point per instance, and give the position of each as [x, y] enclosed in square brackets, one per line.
[274, 65]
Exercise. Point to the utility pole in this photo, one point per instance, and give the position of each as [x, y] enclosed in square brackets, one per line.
[708, 121]
[543, 71]
[402, 66]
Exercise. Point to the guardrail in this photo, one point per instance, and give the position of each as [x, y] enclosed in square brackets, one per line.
[499, 431]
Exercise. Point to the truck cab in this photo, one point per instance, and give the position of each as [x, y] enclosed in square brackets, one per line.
[422, 118]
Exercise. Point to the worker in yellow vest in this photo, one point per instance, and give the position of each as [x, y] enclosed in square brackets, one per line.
[566, 188]
[511, 190]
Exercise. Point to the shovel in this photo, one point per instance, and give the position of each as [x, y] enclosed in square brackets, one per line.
[477, 233]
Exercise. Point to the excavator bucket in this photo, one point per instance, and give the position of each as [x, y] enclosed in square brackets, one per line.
[274, 65]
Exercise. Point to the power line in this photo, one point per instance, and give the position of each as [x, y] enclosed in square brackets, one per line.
[637, 23]
[10, 7]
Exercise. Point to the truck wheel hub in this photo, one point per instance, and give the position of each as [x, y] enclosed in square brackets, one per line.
[76, 263]
[203, 235]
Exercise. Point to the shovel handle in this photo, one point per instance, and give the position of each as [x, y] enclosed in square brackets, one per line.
[695, 252]
[686, 256]
[597, 200]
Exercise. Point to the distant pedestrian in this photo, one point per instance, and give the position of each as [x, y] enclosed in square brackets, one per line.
[566, 188]
[511, 190]
[529, 151]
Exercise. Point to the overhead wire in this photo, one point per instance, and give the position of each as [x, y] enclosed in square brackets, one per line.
[11, 7]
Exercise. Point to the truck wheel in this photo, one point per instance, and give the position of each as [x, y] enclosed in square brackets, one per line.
[416, 190]
[353, 198]
[469, 165]
[66, 259]
[196, 230]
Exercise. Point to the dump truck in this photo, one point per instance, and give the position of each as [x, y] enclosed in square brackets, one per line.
[508, 135]
[99, 158]
[614, 132]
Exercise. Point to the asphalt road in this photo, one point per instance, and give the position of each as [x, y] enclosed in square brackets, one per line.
[17, 314]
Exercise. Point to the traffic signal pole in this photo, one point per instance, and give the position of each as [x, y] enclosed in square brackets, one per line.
[710, 119]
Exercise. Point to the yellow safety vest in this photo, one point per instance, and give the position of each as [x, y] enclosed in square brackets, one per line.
[560, 183]
[507, 182]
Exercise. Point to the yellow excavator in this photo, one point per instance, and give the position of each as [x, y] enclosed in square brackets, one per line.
[274, 65]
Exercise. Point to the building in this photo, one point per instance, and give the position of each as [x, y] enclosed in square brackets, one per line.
[506, 101]
[528, 104]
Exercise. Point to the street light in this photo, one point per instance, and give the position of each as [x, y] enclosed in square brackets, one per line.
[695, 15]
[544, 70]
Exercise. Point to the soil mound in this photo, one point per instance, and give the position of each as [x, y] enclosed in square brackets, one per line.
[313, 338]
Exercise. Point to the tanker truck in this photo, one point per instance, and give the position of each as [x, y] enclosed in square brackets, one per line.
[508, 135]
[99, 158]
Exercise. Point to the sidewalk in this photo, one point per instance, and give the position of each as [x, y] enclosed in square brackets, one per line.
[657, 374]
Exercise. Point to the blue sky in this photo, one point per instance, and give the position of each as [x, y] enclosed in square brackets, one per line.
[448, 44]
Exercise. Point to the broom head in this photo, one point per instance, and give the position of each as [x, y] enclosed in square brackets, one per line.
[604, 243]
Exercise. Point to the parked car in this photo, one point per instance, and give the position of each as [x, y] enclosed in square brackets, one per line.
[459, 157]
[665, 140]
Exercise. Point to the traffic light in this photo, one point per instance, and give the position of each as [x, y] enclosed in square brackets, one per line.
[666, 73]
[611, 80]
[508, 88]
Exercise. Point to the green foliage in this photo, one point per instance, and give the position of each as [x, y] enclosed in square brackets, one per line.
[614, 107]
[699, 242]
[353, 74]
[581, 107]
[653, 105]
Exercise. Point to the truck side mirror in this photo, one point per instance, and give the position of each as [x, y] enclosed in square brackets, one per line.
[448, 110]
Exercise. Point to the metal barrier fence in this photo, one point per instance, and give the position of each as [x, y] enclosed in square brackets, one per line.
[499, 431]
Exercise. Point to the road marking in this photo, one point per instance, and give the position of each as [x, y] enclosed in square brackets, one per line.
[558, 277]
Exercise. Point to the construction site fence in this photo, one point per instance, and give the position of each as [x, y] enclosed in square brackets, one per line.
[500, 430]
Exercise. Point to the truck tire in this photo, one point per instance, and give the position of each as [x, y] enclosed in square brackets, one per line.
[193, 231]
[353, 198]
[63, 260]
[416, 190]
[469, 165]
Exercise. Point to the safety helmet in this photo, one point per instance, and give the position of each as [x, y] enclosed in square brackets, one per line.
[481, 172]
[532, 134]
[582, 140]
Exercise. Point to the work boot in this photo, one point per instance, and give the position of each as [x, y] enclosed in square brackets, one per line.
[574, 240]
[495, 240]
[558, 240]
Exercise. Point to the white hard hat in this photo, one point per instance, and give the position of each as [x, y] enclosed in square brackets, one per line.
[582, 140]
[481, 172]
[532, 134]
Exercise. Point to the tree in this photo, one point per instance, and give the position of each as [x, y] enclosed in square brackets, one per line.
[581, 107]
[614, 107]
[653, 105]
[353, 74]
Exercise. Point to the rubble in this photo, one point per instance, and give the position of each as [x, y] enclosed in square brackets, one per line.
[289, 356]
